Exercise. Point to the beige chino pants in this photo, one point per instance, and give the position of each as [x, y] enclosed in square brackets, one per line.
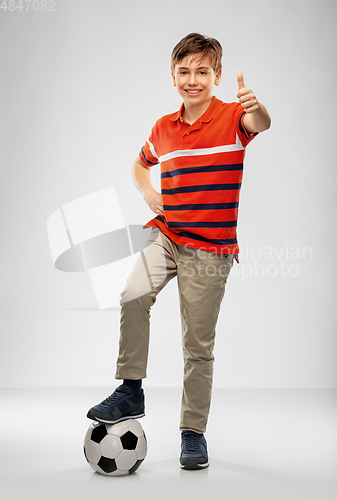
[201, 277]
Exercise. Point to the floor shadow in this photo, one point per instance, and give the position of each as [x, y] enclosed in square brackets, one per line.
[164, 480]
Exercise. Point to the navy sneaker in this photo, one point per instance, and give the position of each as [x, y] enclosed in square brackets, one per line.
[193, 450]
[121, 405]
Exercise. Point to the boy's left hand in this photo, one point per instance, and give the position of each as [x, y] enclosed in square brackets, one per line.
[246, 97]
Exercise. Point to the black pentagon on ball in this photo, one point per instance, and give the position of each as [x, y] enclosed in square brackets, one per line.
[129, 441]
[98, 433]
[107, 464]
[135, 467]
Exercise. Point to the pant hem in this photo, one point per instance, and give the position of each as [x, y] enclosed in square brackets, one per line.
[187, 428]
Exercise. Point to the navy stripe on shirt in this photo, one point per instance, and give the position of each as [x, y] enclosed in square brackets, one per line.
[148, 161]
[204, 169]
[241, 127]
[202, 187]
[192, 236]
[230, 223]
[203, 206]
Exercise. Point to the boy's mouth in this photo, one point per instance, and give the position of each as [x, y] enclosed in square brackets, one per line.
[192, 92]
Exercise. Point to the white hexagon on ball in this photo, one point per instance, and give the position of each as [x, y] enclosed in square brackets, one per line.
[141, 448]
[126, 460]
[118, 429]
[110, 446]
[93, 452]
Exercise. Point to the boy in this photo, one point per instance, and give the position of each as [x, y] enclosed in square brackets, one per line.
[201, 150]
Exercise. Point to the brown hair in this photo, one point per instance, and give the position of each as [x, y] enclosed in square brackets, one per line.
[194, 43]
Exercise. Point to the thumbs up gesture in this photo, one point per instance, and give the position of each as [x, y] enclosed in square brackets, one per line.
[246, 97]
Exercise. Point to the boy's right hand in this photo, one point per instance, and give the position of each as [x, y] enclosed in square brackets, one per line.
[154, 201]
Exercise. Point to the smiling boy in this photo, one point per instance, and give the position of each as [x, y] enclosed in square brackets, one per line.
[200, 149]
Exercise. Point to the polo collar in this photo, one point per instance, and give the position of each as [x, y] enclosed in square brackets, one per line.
[206, 117]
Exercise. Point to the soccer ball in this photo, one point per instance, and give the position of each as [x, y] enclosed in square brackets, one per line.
[117, 449]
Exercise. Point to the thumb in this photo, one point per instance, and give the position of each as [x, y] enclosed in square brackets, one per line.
[241, 84]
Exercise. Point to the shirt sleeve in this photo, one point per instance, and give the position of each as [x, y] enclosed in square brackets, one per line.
[148, 152]
[244, 136]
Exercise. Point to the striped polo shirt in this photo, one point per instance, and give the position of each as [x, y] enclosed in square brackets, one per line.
[201, 175]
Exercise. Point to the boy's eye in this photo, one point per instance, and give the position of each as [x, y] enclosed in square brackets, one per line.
[183, 72]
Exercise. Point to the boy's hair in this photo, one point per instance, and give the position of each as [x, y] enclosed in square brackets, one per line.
[194, 43]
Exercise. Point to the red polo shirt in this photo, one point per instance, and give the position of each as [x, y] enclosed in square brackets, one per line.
[201, 175]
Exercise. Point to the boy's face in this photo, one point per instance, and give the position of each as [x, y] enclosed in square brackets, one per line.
[195, 78]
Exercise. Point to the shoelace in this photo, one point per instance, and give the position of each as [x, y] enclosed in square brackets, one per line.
[115, 397]
[190, 441]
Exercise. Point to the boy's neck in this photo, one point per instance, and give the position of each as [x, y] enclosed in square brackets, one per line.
[192, 113]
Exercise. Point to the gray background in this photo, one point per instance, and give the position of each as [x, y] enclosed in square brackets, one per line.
[80, 89]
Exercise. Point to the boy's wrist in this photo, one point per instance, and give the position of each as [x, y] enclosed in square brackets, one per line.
[149, 193]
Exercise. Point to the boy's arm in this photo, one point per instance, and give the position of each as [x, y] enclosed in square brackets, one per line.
[256, 118]
[142, 179]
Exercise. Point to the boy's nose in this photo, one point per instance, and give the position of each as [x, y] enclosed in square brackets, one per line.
[192, 80]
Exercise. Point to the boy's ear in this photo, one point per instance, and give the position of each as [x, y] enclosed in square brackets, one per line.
[217, 78]
[174, 80]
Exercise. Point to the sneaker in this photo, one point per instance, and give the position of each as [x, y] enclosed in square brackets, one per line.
[121, 405]
[193, 450]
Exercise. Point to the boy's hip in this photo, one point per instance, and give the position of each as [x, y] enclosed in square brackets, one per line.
[195, 264]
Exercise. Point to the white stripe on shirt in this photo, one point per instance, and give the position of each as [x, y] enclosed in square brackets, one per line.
[153, 151]
[199, 152]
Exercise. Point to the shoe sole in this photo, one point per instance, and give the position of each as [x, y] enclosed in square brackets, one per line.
[191, 464]
[101, 420]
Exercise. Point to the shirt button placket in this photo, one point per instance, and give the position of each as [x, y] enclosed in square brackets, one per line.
[186, 139]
